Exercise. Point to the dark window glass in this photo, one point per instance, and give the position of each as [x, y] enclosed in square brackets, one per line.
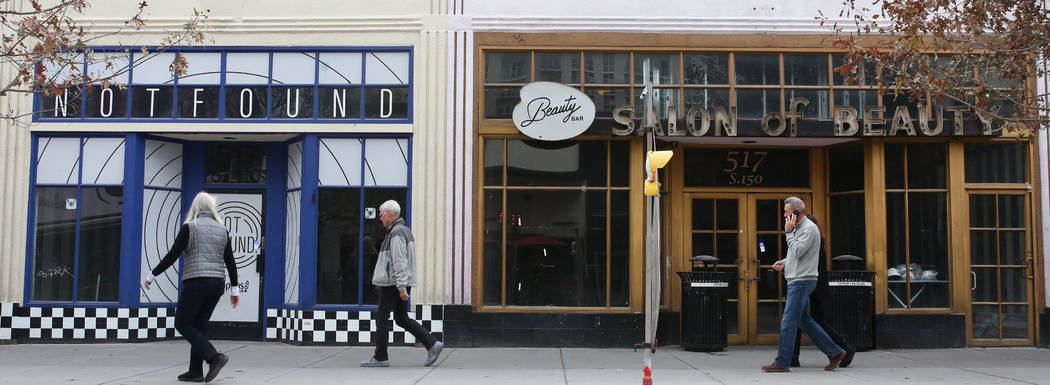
[806, 70]
[996, 163]
[373, 235]
[620, 256]
[507, 67]
[492, 238]
[556, 249]
[707, 98]
[292, 103]
[386, 102]
[243, 164]
[927, 165]
[896, 248]
[866, 77]
[755, 104]
[928, 243]
[100, 233]
[982, 211]
[1011, 211]
[819, 103]
[662, 98]
[895, 165]
[620, 163]
[243, 102]
[558, 67]
[857, 99]
[757, 69]
[607, 99]
[768, 213]
[339, 274]
[846, 225]
[500, 102]
[846, 168]
[706, 69]
[55, 243]
[110, 102]
[607, 68]
[656, 68]
[494, 162]
[746, 167]
[152, 102]
[564, 163]
[63, 105]
[339, 103]
[201, 102]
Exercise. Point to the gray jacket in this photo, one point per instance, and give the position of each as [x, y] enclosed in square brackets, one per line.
[803, 244]
[396, 265]
[204, 253]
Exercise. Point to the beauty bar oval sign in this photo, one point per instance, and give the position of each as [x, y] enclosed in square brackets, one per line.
[552, 111]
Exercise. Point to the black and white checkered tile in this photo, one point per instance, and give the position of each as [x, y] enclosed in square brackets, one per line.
[45, 324]
[338, 327]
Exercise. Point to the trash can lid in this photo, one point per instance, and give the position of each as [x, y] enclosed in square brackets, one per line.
[703, 258]
[847, 257]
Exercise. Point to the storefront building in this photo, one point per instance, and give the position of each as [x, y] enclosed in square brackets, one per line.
[523, 242]
[945, 208]
[300, 140]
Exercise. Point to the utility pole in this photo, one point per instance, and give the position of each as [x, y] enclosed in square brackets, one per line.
[654, 160]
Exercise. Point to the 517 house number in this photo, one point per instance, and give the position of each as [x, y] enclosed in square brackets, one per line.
[742, 167]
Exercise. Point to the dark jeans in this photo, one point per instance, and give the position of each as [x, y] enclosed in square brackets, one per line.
[390, 299]
[816, 309]
[196, 303]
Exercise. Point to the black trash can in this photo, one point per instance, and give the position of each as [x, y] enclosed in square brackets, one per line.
[704, 303]
[851, 310]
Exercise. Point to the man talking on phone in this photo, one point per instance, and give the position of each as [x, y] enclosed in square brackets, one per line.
[800, 270]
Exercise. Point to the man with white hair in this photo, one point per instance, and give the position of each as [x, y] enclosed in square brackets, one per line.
[394, 276]
[800, 270]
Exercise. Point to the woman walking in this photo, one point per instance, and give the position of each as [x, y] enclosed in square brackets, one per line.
[206, 244]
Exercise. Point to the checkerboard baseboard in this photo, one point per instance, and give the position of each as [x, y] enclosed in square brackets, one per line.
[44, 324]
[340, 327]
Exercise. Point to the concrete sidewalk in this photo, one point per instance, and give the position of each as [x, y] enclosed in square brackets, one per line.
[277, 363]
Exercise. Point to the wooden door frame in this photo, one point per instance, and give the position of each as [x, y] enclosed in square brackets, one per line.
[1031, 269]
[747, 294]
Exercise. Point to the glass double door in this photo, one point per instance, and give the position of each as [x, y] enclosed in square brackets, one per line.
[745, 231]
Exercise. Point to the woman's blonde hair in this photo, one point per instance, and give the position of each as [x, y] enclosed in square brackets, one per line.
[203, 203]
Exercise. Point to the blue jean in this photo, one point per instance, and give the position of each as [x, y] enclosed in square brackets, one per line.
[796, 316]
[196, 303]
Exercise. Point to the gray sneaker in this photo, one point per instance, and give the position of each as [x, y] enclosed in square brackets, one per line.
[433, 353]
[373, 363]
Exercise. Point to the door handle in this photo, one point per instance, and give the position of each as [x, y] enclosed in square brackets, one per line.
[974, 275]
[1028, 267]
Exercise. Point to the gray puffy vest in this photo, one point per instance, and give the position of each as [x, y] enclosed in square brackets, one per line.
[204, 251]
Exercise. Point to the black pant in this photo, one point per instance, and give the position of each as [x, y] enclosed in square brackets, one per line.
[196, 303]
[816, 310]
[390, 299]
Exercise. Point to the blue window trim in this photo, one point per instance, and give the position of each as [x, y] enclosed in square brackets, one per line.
[27, 293]
[309, 214]
[316, 119]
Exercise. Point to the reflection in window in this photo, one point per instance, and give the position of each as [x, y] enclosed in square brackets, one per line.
[77, 224]
[558, 67]
[917, 226]
[242, 164]
[706, 69]
[996, 163]
[562, 237]
[846, 200]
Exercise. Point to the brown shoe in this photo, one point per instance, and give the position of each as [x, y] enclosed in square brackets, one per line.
[775, 369]
[834, 362]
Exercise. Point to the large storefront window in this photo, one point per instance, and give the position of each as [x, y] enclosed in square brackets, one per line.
[556, 217]
[846, 200]
[917, 225]
[355, 176]
[79, 196]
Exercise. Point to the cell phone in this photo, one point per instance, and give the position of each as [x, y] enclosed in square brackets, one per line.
[795, 213]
